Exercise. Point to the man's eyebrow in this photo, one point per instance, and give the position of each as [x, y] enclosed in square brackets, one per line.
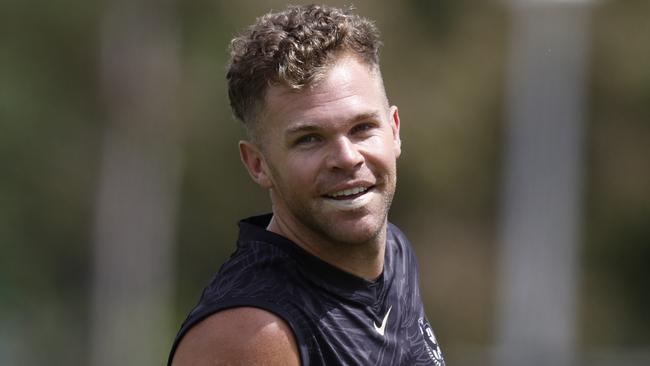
[311, 127]
[365, 117]
[302, 127]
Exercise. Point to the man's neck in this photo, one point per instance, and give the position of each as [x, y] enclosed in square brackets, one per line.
[365, 260]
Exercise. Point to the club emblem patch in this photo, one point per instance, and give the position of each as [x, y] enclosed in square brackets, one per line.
[431, 343]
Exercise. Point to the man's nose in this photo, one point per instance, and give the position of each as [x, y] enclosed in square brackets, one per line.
[344, 155]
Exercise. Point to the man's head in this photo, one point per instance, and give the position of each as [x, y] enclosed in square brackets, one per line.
[326, 140]
[294, 48]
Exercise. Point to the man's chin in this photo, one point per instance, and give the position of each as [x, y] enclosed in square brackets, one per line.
[356, 233]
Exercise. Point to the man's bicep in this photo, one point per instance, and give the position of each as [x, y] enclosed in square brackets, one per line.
[238, 336]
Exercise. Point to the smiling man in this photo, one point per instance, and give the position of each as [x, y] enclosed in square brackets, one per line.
[324, 279]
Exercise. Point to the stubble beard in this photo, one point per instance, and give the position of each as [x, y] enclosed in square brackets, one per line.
[326, 227]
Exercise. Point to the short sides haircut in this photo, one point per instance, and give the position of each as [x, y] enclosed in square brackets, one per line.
[293, 48]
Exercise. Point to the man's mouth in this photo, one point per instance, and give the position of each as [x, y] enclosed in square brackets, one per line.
[348, 194]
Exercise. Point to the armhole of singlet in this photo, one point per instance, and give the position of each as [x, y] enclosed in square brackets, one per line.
[273, 308]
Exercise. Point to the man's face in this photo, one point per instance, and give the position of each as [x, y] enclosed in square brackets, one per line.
[328, 155]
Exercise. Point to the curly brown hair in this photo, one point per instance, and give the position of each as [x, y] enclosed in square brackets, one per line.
[294, 48]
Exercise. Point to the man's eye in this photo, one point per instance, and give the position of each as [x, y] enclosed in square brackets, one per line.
[307, 139]
[362, 127]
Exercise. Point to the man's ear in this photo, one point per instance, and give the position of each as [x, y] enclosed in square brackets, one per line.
[253, 160]
[394, 124]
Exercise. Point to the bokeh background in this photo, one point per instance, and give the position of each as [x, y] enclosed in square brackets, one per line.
[121, 186]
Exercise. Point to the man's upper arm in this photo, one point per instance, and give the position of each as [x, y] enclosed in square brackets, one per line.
[239, 336]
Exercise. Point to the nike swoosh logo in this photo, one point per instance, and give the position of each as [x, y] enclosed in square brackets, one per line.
[381, 329]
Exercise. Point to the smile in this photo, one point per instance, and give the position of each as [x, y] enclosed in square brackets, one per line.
[350, 199]
[349, 193]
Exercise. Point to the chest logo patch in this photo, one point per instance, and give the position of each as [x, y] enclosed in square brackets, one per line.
[381, 329]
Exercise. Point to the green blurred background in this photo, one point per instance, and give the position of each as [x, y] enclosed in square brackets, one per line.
[445, 66]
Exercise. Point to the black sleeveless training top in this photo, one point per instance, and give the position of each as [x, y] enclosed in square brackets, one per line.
[337, 318]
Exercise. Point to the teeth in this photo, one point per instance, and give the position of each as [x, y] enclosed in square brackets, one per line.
[349, 192]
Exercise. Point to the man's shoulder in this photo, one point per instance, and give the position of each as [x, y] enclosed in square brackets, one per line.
[241, 335]
[255, 275]
[251, 289]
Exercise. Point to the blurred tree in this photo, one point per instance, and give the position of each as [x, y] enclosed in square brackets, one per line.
[137, 188]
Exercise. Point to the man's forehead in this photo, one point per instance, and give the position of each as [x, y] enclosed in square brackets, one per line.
[344, 80]
[340, 71]
[349, 89]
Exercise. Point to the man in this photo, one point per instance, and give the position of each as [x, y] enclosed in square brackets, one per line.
[324, 279]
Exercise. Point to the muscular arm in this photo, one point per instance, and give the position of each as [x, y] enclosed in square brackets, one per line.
[239, 336]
